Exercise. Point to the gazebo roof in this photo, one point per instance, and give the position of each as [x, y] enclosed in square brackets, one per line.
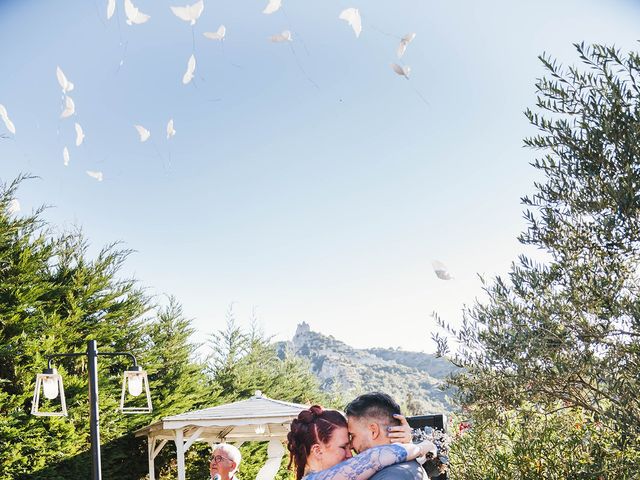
[258, 418]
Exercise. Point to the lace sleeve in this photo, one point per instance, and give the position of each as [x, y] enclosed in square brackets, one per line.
[363, 465]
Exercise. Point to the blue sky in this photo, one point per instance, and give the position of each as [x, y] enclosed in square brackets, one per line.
[320, 204]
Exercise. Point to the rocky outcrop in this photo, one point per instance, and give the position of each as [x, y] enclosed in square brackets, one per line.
[414, 379]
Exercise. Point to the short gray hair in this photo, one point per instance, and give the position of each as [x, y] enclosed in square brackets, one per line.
[231, 452]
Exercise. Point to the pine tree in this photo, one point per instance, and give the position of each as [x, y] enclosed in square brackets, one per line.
[179, 382]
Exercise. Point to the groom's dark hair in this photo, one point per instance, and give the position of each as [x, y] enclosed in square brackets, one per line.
[376, 405]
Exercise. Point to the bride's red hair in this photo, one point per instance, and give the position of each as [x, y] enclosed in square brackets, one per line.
[314, 425]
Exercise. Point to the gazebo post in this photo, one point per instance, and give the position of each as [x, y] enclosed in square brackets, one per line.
[275, 452]
[180, 454]
[151, 447]
[153, 453]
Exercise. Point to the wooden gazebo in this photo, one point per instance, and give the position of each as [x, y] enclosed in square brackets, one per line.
[258, 419]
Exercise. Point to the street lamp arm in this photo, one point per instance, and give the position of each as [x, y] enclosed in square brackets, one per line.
[115, 354]
[58, 355]
[84, 354]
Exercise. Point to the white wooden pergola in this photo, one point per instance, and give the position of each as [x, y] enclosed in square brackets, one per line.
[257, 419]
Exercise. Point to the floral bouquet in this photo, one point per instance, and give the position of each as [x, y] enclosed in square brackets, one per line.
[438, 464]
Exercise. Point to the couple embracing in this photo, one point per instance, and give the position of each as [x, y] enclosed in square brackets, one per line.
[320, 442]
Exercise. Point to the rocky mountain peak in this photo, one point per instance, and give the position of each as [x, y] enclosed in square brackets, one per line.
[302, 329]
[412, 378]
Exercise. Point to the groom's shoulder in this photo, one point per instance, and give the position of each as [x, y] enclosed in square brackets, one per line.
[404, 471]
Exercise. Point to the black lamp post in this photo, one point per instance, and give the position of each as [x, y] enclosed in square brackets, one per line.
[51, 383]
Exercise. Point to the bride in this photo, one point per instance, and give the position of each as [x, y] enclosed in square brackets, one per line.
[319, 448]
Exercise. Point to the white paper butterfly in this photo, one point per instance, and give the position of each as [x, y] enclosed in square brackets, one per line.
[79, 135]
[170, 130]
[97, 175]
[143, 132]
[14, 206]
[65, 156]
[273, 6]
[404, 71]
[111, 8]
[218, 35]
[69, 108]
[404, 41]
[352, 16]
[134, 16]
[7, 121]
[191, 68]
[189, 13]
[285, 36]
[66, 85]
[441, 270]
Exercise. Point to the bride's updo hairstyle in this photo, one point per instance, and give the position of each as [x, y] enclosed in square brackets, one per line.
[314, 425]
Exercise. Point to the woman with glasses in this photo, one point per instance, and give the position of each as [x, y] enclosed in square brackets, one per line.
[225, 461]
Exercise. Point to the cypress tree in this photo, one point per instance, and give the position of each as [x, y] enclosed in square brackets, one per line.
[53, 298]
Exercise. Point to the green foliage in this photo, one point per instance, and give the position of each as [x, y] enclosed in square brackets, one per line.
[568, 331]
[528, 444]
[411, 406]
[179, 381]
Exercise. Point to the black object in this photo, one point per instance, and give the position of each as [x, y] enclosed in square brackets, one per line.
[438, 421]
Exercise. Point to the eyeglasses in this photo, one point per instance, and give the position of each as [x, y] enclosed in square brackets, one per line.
[218, 459]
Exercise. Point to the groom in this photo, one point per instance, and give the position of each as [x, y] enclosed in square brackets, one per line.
[368, 417]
